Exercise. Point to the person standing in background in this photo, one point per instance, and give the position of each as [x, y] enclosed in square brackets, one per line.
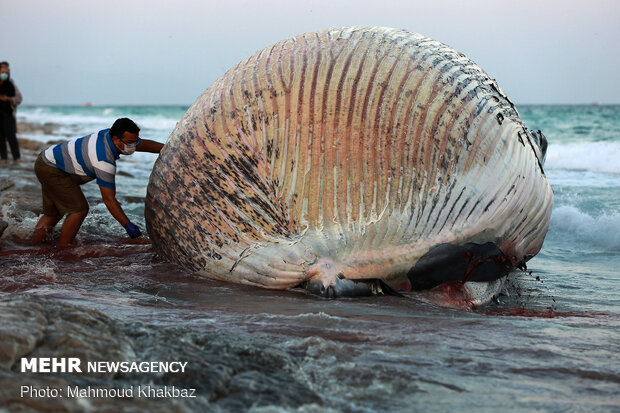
[10, 97]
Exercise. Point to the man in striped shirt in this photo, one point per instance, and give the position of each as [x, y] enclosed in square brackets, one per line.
[62, 168]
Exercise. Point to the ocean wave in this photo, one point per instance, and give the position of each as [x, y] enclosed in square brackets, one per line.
[67, 119]
[585, 156]
[602, 231]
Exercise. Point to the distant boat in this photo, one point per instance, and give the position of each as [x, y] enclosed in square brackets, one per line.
[595, 103]
[87, 104]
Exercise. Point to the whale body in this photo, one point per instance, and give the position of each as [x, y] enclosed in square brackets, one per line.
[352, 161]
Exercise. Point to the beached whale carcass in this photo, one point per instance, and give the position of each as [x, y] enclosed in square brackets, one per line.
[347, 159]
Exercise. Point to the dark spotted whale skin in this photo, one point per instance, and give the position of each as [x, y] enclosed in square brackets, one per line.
[349, 155]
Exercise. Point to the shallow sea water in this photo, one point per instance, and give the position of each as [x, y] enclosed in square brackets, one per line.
[550, 342]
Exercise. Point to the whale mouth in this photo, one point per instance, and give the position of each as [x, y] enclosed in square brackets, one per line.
[465, 296]
[471, 262]
[351, 288]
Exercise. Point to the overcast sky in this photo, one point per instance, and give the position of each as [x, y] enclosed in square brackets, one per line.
[169, 51]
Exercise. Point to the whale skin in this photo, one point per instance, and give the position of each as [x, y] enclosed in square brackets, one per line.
[352, 161]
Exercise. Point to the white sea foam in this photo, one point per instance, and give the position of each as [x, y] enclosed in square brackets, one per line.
[21, 223]
[46, 268]
[585, 156]
[603, 230]
[318, 316]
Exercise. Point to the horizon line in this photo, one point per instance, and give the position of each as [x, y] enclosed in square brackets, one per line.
[91, 104]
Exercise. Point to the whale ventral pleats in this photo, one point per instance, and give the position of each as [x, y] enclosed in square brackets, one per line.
[374, 149]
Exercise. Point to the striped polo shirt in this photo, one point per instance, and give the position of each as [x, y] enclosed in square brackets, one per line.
[90, 157]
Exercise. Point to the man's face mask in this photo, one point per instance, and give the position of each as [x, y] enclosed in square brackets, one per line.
[4, 76]
[128, 148]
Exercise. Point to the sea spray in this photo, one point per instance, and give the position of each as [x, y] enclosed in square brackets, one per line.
[601, 231]
[585, 156]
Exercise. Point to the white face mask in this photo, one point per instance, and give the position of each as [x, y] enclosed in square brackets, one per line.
[4, 76]
[129, 149]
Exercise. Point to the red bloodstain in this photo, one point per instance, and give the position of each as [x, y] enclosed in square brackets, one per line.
[546, 313]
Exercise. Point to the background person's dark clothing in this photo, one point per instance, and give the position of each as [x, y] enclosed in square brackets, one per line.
[8, 133]
[8, 123]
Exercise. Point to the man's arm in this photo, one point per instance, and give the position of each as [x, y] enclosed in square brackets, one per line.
[109, 199]
[147, 145]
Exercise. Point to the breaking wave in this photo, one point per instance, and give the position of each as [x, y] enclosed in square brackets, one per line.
[585, 156]
[603, 230]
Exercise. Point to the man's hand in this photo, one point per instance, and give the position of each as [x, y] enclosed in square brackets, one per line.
[132, 229]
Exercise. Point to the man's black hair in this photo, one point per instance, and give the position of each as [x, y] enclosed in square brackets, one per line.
[5, 63]
[123, 125]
